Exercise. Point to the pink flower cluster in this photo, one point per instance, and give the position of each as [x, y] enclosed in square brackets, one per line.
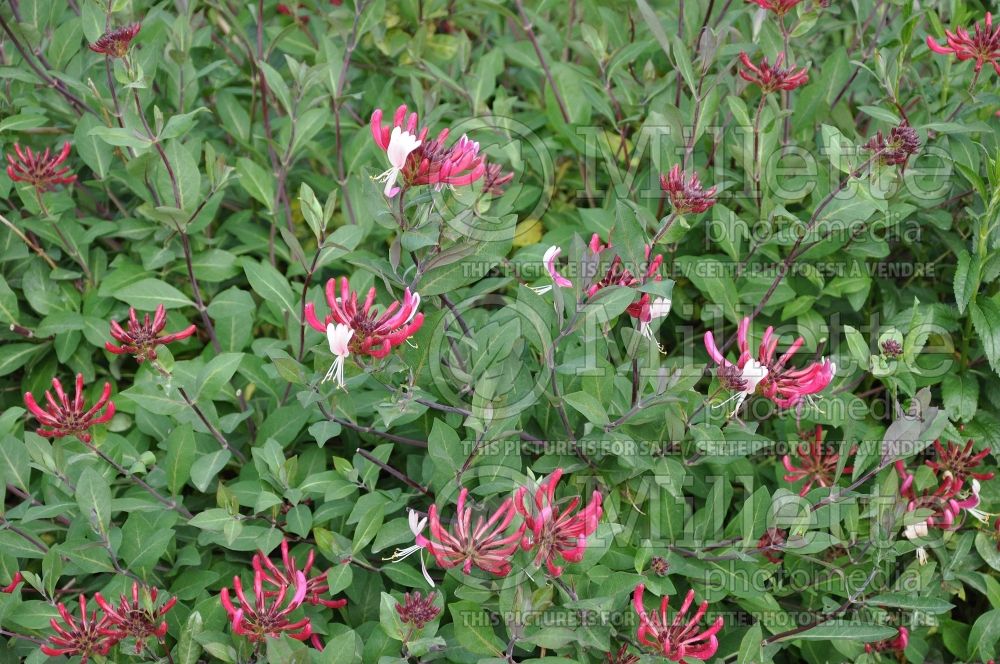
[97, 632]
[680, 638]
[645, 308]
[767, 375]
[554, 531]
[277, 594]
[817, 465]
[982, 46]
[420, 161]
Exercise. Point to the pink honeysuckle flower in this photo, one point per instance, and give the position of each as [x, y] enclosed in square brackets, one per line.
[40, 169]
[553, 530]
[339, 338]
[277, 577]
[817, 465]
[417, 610]
[621, 656]
[645, 309]
[85, 637]
[116, 43]
[417, 525]
[374, 335]
[681, 638]
[140, 339]
[495, 179]
[63, 417]
[268, 615]
[14, 583]
[897, 644]
[420, 161]
[772, 78]
[944, 502]
[136, 619]
[767, 375]
[685, 191]
[484, 545]
[895, 149]
[549, 260]
[983, 45]
[959, 461]
[778, 7]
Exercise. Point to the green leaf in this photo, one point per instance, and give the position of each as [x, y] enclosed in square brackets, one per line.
[120, 137]
[179, 125]
[215, 375]
[368, 527]
[188, 649]
[15, 356]
[901, 601]
[22, 121]
[851, 631]
[270, 285]
[15, 465]
[474, 630]
[588, 406]
[8, 303]
[984, 635]
[879, 113]
[207, 467]
[960, 392]
[750, 646]
[967, 276]
[257, 182]
[147, 294]
[985, 314]
[180, 457]
[93, 496]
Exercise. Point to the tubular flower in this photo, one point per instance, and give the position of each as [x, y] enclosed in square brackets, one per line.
[622, 656]
[676, 640]
[772, 78]
[134, 619]
[778, 7]
[983, 45]
[767, 375]
[420, 161]
[959, 461]
[65, 418]
[816, 464]
[685, 191]
[265, 617]
[140, 339]
[417, 525]
[897, 644]
[896, 148]
[484, 545]
[351, 329]
[14, 583]
[770, 544]
[279, 578]
[944, 504]
[552, 530]
[374, 335]
[86, 637]
[495, 179]
[115, 43]
[645, 309]
[416, 610]
[40, 169]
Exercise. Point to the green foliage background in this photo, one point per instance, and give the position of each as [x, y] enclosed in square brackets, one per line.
[263, 118]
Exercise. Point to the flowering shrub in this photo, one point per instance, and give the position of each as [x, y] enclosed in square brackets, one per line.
[499, 331]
